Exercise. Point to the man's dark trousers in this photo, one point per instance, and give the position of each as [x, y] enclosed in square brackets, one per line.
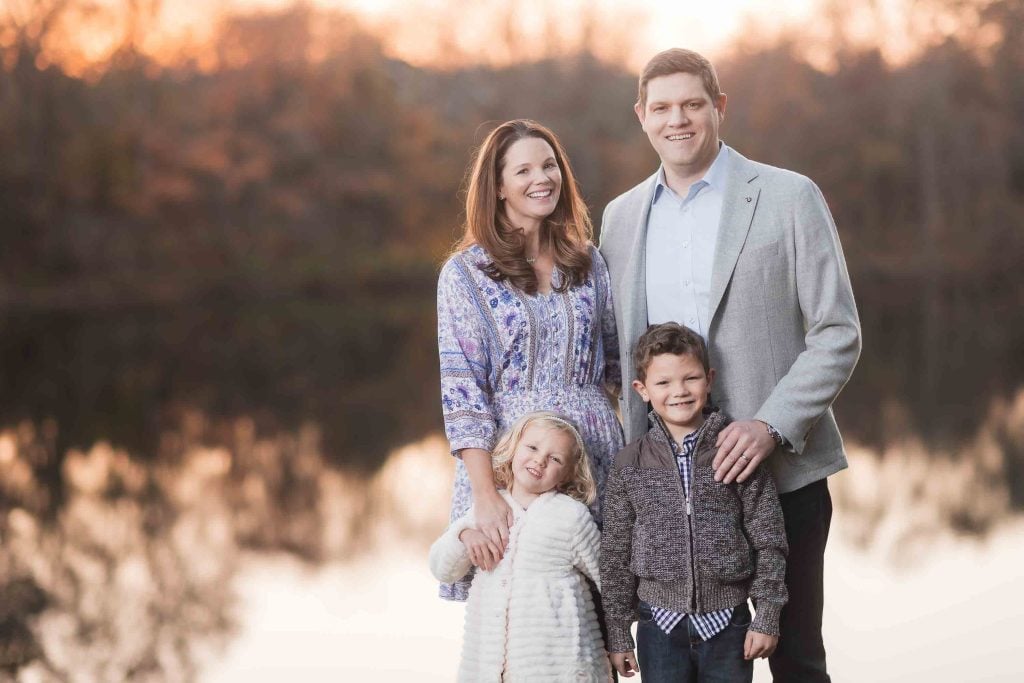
[800, 657]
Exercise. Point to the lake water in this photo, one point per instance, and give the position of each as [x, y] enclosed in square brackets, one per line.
[949, 613]
[220, 492]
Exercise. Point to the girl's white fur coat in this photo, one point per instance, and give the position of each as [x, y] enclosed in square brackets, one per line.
[532, 618]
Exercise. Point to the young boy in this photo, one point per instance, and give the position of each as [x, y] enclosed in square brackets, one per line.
[679, 550]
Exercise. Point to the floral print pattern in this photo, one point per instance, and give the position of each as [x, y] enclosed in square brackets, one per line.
[505, 353]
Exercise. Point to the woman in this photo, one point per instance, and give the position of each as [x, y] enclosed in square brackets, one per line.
[525, 319]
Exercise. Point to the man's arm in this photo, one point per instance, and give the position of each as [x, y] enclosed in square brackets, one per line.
[832, 337]
[831, 347]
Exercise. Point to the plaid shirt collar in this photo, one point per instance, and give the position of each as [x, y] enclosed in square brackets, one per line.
[714, 420]
[686, 448]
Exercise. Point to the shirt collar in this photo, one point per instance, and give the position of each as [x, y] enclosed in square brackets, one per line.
[714, 177]
[685, 449]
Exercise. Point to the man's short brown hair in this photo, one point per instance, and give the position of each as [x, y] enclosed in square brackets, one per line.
[678, 60]
[668, 338]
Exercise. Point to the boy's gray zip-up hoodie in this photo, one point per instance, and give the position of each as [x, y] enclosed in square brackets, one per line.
[739, 539]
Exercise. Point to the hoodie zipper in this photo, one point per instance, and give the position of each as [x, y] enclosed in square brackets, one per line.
[693, 546]
[693, 494]
[689, 510]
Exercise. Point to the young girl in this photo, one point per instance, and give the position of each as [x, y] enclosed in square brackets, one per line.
[530, 615]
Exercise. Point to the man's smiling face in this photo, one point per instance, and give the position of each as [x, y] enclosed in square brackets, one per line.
[681, 119]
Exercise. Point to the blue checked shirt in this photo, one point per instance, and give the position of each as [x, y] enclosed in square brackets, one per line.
[711, 623]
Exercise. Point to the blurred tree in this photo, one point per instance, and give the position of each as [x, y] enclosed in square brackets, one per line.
[305, 169]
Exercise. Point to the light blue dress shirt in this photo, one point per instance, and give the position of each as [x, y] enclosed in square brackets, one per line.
[681, 236]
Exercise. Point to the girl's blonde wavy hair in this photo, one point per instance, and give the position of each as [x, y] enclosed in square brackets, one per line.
[579, 485]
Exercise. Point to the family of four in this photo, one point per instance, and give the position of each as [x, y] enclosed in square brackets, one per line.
[719, 311]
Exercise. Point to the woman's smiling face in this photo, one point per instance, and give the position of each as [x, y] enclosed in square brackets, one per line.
[531, 181]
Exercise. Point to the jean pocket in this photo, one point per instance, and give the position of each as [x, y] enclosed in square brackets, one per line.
[741, 617]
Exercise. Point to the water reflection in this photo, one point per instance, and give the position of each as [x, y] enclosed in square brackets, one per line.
[129, 575]
[129, 569]
[139, 520]
[904, 496]
[375, 616]
[149, 569]
[131, 375]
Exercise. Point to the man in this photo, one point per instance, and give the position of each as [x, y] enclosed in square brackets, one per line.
[747, 255]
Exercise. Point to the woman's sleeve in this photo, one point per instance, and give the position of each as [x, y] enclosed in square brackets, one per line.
[609, 334]
[465, 364]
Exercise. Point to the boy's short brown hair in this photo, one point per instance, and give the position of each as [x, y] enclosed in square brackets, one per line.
[668, 338]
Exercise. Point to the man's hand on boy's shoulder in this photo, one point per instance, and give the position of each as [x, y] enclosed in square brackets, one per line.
[741, 448]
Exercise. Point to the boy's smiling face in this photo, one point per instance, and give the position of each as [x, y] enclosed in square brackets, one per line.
[677, 388]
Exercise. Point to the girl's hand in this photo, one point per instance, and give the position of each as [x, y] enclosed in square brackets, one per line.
[624, 663]
[493, 517]
[759, 645]
[482, 552]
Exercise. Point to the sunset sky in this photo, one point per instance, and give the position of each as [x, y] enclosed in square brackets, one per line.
[443, 32]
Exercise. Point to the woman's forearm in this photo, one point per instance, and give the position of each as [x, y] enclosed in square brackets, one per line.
[481, 474]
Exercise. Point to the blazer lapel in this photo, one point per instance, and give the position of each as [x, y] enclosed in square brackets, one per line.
[737, 212]
[634, 312]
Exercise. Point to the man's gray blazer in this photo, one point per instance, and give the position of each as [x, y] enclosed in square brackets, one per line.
[784, 334]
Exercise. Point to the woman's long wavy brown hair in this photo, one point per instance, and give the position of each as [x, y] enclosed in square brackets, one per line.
[566, 231]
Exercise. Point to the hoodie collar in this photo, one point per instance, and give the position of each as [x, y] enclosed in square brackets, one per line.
[713, 423]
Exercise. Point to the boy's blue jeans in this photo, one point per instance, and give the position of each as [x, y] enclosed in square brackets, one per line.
[682, 657]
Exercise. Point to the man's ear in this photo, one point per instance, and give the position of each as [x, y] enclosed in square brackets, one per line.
[639, 112]
[639, 388]
[720, 103]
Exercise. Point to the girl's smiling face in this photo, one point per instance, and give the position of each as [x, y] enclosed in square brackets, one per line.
[542, 461]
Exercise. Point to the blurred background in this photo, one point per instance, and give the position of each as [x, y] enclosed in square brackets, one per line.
[221, 224]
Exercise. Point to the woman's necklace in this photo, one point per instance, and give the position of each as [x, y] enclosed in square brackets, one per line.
[531, 261]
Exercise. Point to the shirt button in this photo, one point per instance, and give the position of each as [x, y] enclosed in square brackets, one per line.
[685, 245]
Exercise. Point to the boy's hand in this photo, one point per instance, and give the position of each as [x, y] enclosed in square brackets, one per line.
[741, 448]
[759, 645]
[624, 663]
[482, 550]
